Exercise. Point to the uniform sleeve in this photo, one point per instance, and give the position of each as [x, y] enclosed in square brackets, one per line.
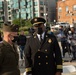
[1, 57]
[28, 61]
[58, 57]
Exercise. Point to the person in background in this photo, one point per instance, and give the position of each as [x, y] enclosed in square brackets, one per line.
[63, 40]
[9, 57]
[21, 43]
[42, 52]
[52, 31]
[73, 41]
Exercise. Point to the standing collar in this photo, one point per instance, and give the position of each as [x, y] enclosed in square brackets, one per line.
[7, 44]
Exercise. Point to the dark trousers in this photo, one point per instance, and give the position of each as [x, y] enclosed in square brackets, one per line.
[74, 51]
[21, 51]
[64, 47]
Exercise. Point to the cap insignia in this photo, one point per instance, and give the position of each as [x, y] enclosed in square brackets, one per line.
[35, 19]
[49, 40]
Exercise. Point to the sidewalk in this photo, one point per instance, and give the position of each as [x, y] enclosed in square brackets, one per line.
[22, 68]
[70, 63]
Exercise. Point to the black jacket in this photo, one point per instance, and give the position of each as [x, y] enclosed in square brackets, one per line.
[42, 59]
[22, 40]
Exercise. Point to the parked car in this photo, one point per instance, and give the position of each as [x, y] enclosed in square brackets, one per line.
[64, 24]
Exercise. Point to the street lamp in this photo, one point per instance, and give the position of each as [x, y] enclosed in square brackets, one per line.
[45, 16]
[54, 21]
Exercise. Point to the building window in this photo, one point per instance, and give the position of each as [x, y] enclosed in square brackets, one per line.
[46, 9]
[9, 18]
[41, 8]
[41, 2]
[9, 13]
[0, 18]
[36, 14]
[35, 3]
[75, 14]
[59, 9]
[67, 8]
[9, 8]
[42, 14]
[36, 9]
[74, 7]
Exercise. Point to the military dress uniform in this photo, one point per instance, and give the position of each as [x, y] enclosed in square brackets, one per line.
[8, 55]
[42, 58]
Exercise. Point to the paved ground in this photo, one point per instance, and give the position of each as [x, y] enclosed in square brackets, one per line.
[22, 68]
[70, 63]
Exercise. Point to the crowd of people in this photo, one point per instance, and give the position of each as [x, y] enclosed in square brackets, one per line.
[67, 38]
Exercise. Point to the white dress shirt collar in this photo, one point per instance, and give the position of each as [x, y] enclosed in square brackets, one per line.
[42, 35]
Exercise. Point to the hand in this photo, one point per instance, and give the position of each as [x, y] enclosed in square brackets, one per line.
[58, 73]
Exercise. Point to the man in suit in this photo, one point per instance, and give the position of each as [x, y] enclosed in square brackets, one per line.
[42, 52]
[8, 51]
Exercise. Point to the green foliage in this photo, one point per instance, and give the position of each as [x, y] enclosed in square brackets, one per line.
[19, 22]
[22, 22]
[28, 23]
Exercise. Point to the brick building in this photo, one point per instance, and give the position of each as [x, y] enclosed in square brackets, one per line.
[66, 11]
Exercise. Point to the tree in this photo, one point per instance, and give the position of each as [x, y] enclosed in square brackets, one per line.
[22, 22]
[19, 22]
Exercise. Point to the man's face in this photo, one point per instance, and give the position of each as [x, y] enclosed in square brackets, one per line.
[39, 28]
[22, 33]
[12, 35]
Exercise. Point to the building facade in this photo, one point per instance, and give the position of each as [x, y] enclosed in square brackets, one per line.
[28, 9]
[66, 11]
[5, 11]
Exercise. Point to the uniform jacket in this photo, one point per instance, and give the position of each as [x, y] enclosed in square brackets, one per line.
[44, 58]
[8, 59]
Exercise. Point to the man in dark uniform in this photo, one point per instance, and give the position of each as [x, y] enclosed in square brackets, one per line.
[42, 55]
[8, 52]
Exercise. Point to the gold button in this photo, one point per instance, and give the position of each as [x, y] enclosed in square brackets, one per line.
[46, 63]
[46, 56]
[46, 50]
[38, 56]
[38, 50]
[39, 63]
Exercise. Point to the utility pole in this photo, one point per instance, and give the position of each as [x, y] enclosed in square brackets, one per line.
[19, 9]
[45, 13]
[5, 15]
[19, 6]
